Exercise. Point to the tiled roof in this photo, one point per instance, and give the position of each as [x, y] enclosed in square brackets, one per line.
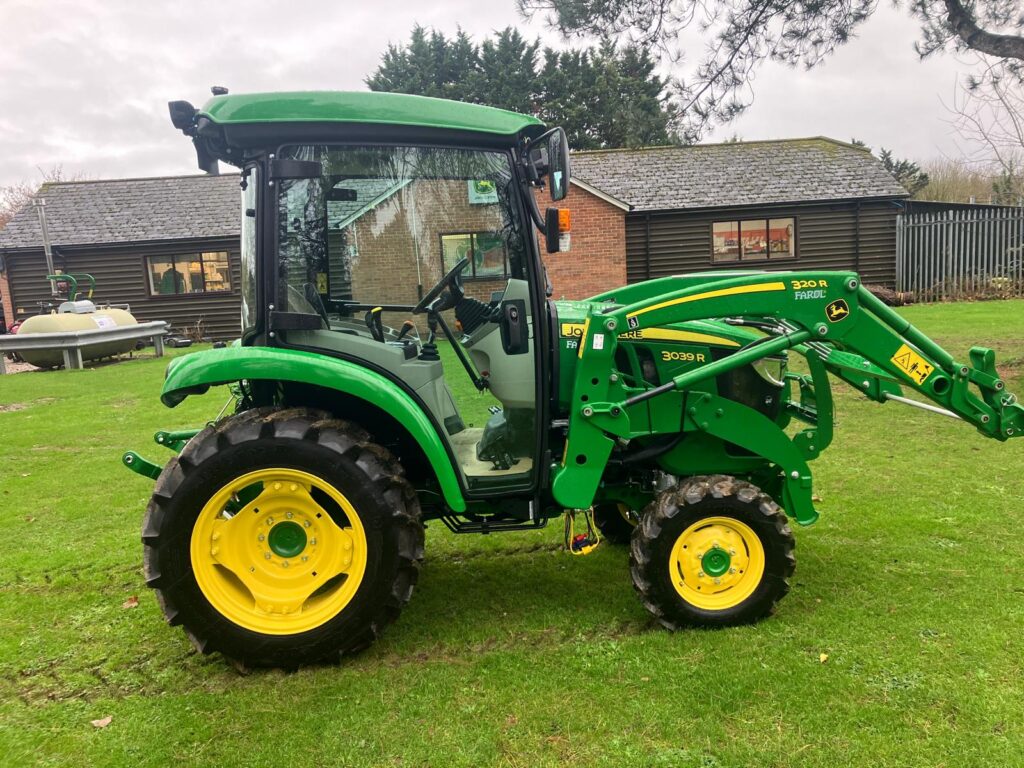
[130, 210]
[736, 173]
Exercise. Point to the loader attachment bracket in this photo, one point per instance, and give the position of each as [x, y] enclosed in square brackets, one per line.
[743, 426]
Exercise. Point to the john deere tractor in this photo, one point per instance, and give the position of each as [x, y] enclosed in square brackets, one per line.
[400, 362]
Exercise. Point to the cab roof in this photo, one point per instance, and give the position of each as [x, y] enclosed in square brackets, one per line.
[395, 109]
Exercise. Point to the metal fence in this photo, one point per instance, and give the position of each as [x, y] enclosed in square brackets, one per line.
[961, 254]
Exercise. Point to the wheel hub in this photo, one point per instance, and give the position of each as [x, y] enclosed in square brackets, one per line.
[287, 539]
[716, 562]
[279, 563]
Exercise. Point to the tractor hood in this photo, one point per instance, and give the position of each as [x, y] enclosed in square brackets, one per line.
[230, 127]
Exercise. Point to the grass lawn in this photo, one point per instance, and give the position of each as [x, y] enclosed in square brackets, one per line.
[901, 643]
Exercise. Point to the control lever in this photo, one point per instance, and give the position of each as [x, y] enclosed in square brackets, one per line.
[429, 350]
[407, 326]
[375, 323]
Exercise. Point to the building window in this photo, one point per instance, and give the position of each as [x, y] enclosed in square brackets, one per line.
[208, 272]
[753, 240]
[487, 252]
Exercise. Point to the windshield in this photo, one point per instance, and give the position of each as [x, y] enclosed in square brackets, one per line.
[382, 225]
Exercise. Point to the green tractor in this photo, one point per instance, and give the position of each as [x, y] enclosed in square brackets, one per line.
[401, 362]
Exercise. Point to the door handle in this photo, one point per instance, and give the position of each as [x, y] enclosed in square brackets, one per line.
[515, 337]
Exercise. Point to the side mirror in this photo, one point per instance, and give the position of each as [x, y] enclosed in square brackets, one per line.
[558, 164]
[549, 156]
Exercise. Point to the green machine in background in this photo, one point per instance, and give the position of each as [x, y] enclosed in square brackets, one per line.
[388, 248]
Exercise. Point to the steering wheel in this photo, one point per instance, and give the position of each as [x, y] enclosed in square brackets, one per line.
[453, 281]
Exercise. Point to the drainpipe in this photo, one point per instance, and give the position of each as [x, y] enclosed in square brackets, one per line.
[39, 203]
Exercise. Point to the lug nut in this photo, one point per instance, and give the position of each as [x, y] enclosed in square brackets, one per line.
[700, 574]
[284, 563]
[262, 537]
[270, 521]
[732, 570]
[288, 515]
[718, 581]
[266, 555]
[306, 524]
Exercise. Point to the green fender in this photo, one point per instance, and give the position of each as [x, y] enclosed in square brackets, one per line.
[197, 372]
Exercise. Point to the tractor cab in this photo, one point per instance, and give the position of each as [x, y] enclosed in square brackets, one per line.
[381, 231]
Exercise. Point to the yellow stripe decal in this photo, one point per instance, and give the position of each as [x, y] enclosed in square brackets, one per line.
[583, 338]
[667, 334]
[758, 288]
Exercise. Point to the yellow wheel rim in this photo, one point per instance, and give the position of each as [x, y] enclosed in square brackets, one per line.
[268, 555]
[716, 563]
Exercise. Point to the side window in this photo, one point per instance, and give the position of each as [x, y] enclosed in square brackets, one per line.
[208, 272]
[250, 190]
[487, 253]
[753, 240]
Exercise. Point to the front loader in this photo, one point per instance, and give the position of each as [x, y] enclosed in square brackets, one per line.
[400, 362]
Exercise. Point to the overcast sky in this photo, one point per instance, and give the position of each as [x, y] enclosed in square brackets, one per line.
[84, 83]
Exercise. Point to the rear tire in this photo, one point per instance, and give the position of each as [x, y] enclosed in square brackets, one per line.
[714, 551]
[281, 538]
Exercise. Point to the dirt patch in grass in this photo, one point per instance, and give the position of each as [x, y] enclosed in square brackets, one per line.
[1010, 367]
[10, 407]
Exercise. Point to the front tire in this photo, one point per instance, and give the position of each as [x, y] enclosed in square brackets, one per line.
[714, 551]
[282, 538]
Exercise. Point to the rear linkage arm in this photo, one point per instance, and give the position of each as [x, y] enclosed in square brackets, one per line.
[839, 323]
[176, 441]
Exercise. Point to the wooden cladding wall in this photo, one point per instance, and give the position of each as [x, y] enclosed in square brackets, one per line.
[660, 244]
[121, 278]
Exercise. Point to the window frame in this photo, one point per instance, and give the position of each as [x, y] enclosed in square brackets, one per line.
[175, 259]
[470, 273]
[767, 257]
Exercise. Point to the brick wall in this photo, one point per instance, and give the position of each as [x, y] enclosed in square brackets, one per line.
[385, 240]
[385, 269]
[5, 299]
[597, 259]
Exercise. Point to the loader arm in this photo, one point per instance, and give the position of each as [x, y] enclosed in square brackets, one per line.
[826, 316]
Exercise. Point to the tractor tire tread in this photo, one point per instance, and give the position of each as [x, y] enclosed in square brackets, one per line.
[384, 472]
[679, 500]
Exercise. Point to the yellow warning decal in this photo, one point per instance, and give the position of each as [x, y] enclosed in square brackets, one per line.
[912, 364]
[571, 330]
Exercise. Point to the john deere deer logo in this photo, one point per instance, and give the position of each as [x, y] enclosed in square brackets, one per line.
[837, 310]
